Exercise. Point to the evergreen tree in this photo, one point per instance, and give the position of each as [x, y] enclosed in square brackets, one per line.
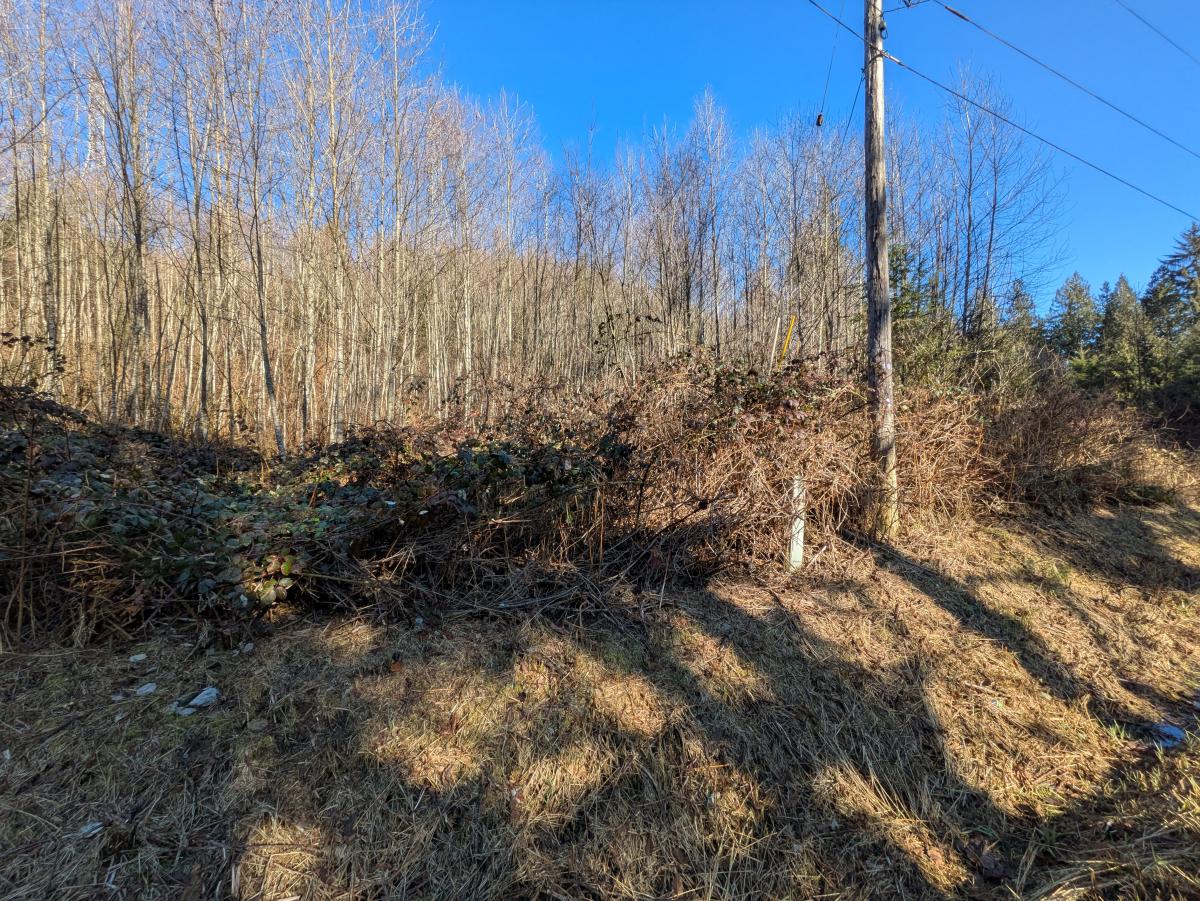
[1164, 305]
[1074, 321]
[1184, 265]
[1172, 301]
[1124, 360]
[1020, 314]
[1014, 347]
[924, 330]
[1145, 350]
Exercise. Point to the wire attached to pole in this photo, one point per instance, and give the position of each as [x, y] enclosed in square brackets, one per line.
[1007, 121]
[829, 72]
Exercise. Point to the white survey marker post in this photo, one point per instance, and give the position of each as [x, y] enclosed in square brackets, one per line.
[799, 512]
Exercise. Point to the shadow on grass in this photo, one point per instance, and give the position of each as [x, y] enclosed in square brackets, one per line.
[714, 742]
[1123, 545]
[1117, 547]
[734, 793]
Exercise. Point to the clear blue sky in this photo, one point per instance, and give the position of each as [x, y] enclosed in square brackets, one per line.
[621, 66]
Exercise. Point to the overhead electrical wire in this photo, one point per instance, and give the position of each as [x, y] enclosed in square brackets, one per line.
[853, 106]
[1067, 78]
[908, 4]
[1162, 34]
[1007, 121]
[829, 71]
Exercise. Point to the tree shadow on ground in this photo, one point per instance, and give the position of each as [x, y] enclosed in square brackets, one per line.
[766, 726]
[1123, 545]
[725, 741]
[1120, 549]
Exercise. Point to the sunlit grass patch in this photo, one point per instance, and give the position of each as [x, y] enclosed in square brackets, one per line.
[916, 727]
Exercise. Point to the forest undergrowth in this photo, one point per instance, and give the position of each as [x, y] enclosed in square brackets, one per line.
[557, 502]
[560, 655]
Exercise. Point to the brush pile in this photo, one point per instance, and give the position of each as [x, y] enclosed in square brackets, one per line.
[691, 472]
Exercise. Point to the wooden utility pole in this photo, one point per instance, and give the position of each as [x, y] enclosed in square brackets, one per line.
[884, 513]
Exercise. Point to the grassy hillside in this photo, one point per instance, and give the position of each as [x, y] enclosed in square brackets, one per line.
[488, 700]
[975, 721]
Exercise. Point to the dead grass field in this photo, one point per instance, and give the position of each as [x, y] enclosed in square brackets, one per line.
[970, 718]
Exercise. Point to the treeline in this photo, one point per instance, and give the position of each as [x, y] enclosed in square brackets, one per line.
[269, 221]
[1143, 348]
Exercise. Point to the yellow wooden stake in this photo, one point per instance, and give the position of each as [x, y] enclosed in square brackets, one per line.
[787, 342]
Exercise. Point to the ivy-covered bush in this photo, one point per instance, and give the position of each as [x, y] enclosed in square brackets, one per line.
[691, 471]
[102, 527]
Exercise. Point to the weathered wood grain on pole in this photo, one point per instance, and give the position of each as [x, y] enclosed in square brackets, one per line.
[885, 516]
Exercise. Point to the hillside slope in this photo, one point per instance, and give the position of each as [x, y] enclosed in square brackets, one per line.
[981, 716]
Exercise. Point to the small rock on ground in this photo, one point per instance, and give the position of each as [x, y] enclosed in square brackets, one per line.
[206, 697]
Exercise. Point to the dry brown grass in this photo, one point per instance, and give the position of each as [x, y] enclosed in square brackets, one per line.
[683, 476]
[964, 717]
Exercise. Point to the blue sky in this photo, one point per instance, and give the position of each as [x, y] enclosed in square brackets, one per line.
[621, 66]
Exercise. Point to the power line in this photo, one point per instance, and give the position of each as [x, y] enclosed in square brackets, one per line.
[832, 56]
[853, 106]
[1068, 79]
[1021, 128]
[1133, 12]
[908, 4]
[1046, 141]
